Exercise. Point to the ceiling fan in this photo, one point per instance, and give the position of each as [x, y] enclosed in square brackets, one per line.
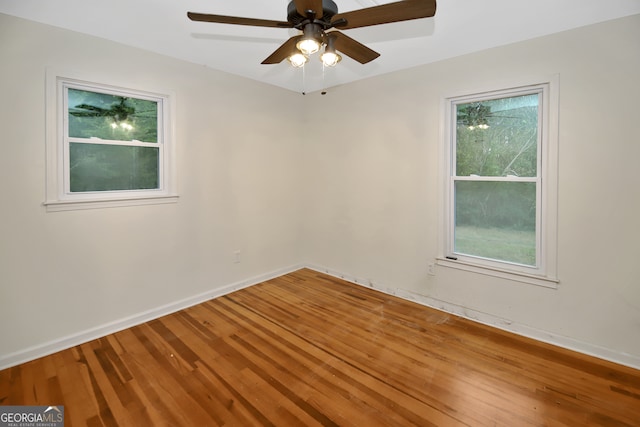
[319, 20]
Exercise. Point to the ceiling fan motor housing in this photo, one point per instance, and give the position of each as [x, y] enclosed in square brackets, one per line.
[329, 9]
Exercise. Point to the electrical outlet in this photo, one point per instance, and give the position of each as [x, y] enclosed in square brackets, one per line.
[431, 270]
[236, 256]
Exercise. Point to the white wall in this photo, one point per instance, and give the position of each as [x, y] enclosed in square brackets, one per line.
[65, 273]
[373, 204]
[360, 197]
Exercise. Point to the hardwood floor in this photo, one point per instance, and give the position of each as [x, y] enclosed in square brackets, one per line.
[308, 349]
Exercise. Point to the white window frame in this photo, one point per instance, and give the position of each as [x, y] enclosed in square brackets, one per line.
[545, 272]
[58, 194]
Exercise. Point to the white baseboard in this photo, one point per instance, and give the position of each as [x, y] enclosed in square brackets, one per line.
[630, 360]
[35, 352]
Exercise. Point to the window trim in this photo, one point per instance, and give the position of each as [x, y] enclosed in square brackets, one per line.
[58, 196]
[545, 273]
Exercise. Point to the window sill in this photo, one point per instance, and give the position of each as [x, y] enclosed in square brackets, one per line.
[72, 205]
[543, 281]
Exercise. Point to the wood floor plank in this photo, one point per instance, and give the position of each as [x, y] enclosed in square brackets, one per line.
[308, 349]
[373, 385]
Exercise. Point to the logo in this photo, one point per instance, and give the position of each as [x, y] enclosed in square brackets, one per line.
[31, 416]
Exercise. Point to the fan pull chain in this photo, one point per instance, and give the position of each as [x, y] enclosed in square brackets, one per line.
[304, 80]
[324, 87]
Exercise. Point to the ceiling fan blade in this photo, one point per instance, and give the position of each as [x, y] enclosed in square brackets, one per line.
[221, 19]
[352, 48]
[302, 6]
[283, 52]
[391, 12]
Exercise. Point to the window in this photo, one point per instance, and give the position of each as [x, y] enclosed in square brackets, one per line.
[107, 146]
[500, 183]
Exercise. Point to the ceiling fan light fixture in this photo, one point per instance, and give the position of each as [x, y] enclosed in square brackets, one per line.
[308, 46]
[298, 60]
[311, 39]
[330, 58]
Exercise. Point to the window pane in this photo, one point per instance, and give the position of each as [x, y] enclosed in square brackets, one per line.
[497, 137]
[111, 117]
[496, 220]
[98, 167]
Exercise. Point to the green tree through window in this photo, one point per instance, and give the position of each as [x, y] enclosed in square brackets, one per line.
[113, 142]
[495, 178]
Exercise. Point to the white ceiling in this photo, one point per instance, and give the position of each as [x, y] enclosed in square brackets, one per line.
[459, 27]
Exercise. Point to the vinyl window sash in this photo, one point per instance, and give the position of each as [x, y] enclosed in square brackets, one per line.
[67, 141]
[108, 193]
[498, 264]
[476, 262]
